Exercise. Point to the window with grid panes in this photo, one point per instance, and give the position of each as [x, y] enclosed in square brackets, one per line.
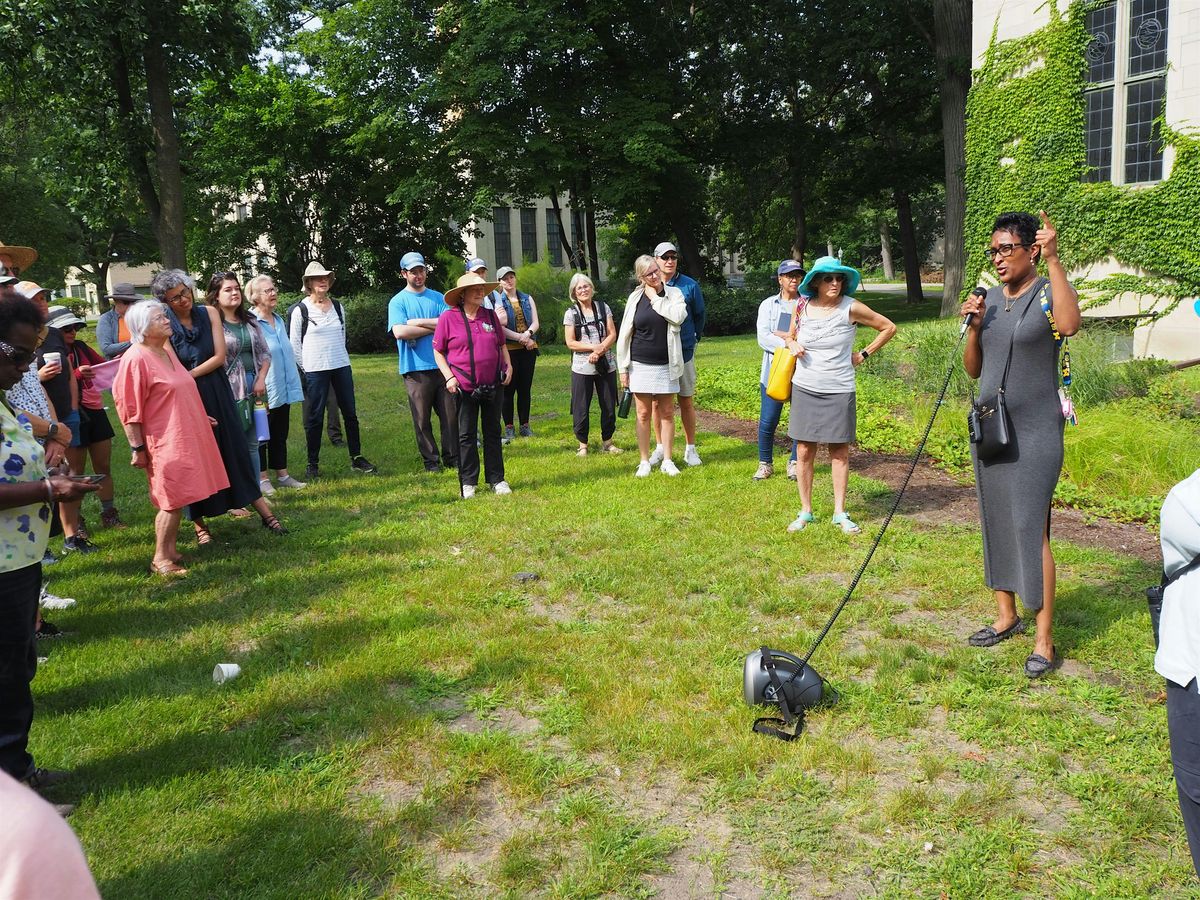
[553, 238]
[529, 242]
[502, 235]
[1126, 74]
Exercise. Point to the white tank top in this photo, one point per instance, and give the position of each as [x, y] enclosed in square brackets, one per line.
[828, 341]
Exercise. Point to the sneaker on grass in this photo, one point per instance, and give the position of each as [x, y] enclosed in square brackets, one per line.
[644, 468]
[468, 491]
[690, 456]
[501, 487]
[360, 464]
[657, 456]
[668, 467]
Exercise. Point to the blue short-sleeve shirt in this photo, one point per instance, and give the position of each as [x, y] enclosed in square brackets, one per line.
[415, 356]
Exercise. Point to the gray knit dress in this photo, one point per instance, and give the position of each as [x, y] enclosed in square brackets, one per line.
[1015, 488]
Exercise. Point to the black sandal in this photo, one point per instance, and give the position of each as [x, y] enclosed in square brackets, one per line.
[273, 525]
[990, 637]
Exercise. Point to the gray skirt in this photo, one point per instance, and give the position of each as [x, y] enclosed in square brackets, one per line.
[648, 379]
[822, 418]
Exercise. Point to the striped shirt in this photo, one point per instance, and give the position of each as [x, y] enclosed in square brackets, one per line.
[324, 346]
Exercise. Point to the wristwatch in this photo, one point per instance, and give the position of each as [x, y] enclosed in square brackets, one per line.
[52, 432]
[865, 352]
[138, 449]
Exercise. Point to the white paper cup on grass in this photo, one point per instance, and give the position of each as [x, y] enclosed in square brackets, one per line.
[224, 672]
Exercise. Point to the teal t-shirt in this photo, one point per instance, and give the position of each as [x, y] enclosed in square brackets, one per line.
[415, 356]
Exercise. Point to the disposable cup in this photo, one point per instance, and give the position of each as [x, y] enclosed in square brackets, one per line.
[224, 672]
[53, 357]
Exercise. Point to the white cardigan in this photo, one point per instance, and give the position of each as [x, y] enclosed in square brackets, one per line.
[672, 307]
[1178, 656]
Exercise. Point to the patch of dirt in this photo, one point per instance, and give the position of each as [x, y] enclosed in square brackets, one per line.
[493, 820]
[393, 793]
[935, 498]
[504, 719]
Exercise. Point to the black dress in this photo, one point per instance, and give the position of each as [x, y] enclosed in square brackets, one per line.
[194, 346]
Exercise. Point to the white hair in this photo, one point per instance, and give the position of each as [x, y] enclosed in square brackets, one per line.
[576, 280]
[138, 317]
[255, 285]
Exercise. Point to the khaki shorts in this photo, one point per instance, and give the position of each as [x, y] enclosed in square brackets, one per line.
[687, 380]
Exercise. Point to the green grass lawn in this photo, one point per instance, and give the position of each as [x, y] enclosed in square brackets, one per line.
[413, 721]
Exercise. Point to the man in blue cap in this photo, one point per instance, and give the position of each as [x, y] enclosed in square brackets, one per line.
[690, 332]
[412, 317]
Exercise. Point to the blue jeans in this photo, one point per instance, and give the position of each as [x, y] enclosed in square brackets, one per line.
[318, 386]
[768, 423]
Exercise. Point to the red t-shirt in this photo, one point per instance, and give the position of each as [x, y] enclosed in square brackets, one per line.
[450, 340]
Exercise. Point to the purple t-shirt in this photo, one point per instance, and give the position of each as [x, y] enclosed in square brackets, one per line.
[450, 340]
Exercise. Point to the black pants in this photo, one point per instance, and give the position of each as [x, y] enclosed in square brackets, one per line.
[321, 386]
[334, 429]
[520, 385]
[427, 395]
[274, 451]
[19, 592]
[473, 416]
[1183, 726]
[605, 387]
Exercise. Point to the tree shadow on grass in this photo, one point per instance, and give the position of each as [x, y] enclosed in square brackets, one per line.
[283, 853]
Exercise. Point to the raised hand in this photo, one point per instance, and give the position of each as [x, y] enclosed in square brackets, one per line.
[1047, 237]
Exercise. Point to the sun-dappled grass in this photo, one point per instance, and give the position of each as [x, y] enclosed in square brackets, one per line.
[412, 721]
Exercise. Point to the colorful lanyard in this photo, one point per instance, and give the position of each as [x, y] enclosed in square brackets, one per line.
[1063, 346]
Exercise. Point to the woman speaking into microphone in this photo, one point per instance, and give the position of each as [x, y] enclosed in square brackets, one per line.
[1012, 349]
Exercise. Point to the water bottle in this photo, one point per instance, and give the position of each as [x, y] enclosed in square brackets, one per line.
[260, 421]
[626, 399]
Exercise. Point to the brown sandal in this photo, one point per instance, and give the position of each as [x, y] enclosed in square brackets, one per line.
[167, 569]
[203, 535]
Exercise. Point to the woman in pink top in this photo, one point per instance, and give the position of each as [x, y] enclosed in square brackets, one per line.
[468, 346]
[169, 432]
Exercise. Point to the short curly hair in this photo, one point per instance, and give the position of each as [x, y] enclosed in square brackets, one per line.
[17, 310]
[1024, 225]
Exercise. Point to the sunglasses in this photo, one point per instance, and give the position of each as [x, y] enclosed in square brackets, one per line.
[670, 257]
[826, 279]
[16, 357]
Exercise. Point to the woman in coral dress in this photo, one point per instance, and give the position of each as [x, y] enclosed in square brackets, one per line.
[169, 432]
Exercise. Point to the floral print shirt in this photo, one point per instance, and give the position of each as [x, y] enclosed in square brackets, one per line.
[24, 530]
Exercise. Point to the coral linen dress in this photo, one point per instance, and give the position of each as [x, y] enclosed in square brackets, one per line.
[161, 396]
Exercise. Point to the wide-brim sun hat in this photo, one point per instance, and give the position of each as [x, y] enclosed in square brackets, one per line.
[22, 257]
[829, 265]
[126, 293]
[316, 270]
[62, 317]
[469, 280]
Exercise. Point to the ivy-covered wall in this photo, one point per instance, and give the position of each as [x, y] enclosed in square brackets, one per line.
[1026, 151]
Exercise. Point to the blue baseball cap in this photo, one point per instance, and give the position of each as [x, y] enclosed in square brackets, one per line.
[411, 260]
[789, 265]
[475, 263]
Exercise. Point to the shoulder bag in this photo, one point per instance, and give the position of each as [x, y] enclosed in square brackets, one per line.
[988, 423]
[783, 363]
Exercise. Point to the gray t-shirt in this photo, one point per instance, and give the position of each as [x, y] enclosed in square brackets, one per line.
[593, 329]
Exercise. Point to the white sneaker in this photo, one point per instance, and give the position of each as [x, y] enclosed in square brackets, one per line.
[53, 601]
[668, 467]
[765, 471]
[643, 469]
[287, 481]
[502, 487]
[268, 489]
[791, 470]
[468, 491]
[690, 456]
[657, 456]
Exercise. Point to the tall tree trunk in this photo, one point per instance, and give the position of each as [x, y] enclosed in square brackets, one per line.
[952, 51]
[799, 215]
[908, 243]
[578, 231]
[690, 261]
[562, 230]
[166, 146]
[589, 224]
[135, 150]
[885, 250]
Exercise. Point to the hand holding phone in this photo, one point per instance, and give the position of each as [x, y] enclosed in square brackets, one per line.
[88, 479]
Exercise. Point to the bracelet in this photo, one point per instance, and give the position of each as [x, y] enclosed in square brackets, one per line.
[49, 490]
[138, 449]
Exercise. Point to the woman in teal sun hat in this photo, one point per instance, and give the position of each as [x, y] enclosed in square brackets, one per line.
[823, 392]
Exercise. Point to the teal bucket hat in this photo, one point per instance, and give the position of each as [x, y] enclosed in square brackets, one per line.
[829, 265]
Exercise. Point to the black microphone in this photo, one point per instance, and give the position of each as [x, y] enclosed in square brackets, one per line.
[980, 293]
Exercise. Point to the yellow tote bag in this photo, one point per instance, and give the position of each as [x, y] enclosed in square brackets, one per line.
[783, 364]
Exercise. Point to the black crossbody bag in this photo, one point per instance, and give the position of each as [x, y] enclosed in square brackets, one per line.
[1154, 594]
[988, 423]
[602, 367]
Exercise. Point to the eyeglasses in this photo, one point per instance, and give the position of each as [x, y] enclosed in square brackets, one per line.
[792, 276]
[652, 273]
[181, 295]
[17, 357]
[826, 278]
[1004, 251]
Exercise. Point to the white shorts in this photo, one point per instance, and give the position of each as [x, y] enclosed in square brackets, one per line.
[687, 380]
